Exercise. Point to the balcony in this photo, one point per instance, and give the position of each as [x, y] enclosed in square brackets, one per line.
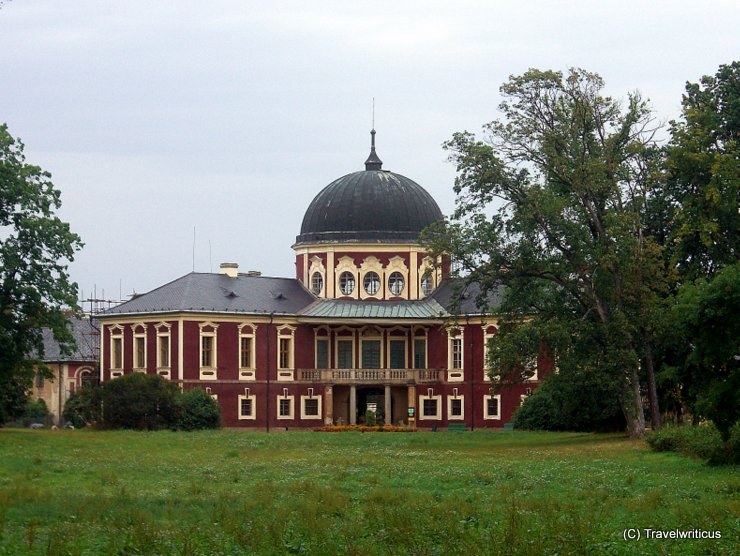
[371, 376]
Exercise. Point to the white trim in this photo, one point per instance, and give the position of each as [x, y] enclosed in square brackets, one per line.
[438, 415]
[291, 399]
[455, 372]
[253, 415]
[450, 416]
[247, 372]
[208, 372]
[488, 416]
[303, 407]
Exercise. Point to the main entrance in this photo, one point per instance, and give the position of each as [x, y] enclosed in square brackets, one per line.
[389, 404]
[371, 406]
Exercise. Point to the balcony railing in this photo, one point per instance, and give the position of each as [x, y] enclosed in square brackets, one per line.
[372, 376]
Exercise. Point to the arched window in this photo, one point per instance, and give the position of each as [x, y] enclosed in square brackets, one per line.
[371, 283]
[317, 283]
[396, 283]
[347, 283]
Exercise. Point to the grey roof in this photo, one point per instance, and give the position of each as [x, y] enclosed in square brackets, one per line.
[86, 336]
[460, 297]
[342, 308]
[218, 293]
[371, 205]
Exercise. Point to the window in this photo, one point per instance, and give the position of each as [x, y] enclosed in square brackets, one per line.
[430, 407]
[396, 283]
[245, 352]
[427, 283]
[317, 283]
[455, 407]
[139, 352]
[492, 407]
[284, 362]
[247, 409]
[285, 353]
[347, 283]
[39, 379]
[456, 344]
[285, 407]
[344, 354]
[206, 351]
[371, 283]
[322, 353]
[397, 354]
[311, 407]
[163, 351]
[420, 353]
[370, 354]
[116, 352]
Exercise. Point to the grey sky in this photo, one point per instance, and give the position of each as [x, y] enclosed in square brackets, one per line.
[155, 117]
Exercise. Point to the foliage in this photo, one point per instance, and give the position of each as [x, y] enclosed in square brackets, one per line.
[35, 290]
[370, 418]
[198, 410]
[13, 396]
[703, 185]
[241, 492]
[36, 411]
[700, 441]
[572, 402]
[83, 407]
[140, 401]
[552, 208]
[364, 428]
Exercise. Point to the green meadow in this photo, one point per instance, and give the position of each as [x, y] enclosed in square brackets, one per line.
[235, 492]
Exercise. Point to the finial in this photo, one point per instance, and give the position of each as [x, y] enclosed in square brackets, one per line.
[373, 162]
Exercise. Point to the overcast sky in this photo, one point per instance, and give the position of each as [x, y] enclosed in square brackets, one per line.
[155, 117]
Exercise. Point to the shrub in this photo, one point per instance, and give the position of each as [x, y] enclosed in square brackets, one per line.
[198, 410]
[576, 402]
[36, 412]
[140, 401]
[702, 441]
[83, 407]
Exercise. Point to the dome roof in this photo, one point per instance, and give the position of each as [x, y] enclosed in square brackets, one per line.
[374, 205]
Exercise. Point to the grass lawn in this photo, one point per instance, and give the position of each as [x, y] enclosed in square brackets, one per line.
[234, 492]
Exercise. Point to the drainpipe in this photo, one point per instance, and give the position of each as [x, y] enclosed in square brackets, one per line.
[472, 379]
[267, 399]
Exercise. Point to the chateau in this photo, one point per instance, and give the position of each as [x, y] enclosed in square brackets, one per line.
[364, 325]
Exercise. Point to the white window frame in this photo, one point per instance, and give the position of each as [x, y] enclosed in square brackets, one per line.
[291, 400]
[321, 334]
[396, 264]
[208, 372]
[486, 415]
[253, 415]
[317, 267]
[248, 372]
[303, 407]
[139, 366]
[116, 336]
[163, 330]
[286, 333]
[347, 264]
[487, 336]
[438, 415]
[455, 374]
[450, 416]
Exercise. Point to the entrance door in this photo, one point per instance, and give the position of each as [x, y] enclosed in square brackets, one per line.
[371, 399]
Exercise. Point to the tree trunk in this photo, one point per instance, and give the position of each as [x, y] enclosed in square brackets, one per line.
[655, 422]
[632, 406]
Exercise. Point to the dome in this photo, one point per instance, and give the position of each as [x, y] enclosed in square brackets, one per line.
[374, 205]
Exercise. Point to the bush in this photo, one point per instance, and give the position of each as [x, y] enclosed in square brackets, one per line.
[703, 441]
[36, 412]
[578, 402]
[198, 410]
[140, 401]
[83, 407]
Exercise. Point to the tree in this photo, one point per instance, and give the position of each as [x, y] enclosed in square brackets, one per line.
[198, 410]
[703, 182]
[35, 290]
[552, 207]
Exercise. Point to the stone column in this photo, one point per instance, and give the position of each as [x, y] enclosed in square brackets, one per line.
[329, 405]
[353, 405]
[387, 400]
[412, 403]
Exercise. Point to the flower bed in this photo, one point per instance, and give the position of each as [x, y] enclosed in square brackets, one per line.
[363, 428]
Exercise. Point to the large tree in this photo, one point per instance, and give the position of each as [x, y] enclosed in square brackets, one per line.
[35, 290]
[551, 206]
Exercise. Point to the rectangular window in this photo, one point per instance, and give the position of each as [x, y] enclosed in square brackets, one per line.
[164, 351]
[322, 354]
[246, 406]
[456, 407]
[370, 354]
[429, 407]
[284, 360]
[39, 379]
[285, 407]
[344, 354]
[247, 409]
[311, 407]
[456, 344]
[245, 352]
[420, 353]
[206, 353]
[398, 354]
[140, 352]
[492, 407]
[117, 355]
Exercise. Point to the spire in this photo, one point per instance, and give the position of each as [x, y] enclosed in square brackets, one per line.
[373, 162]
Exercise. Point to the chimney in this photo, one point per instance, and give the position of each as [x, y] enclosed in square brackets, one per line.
[230, 269]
